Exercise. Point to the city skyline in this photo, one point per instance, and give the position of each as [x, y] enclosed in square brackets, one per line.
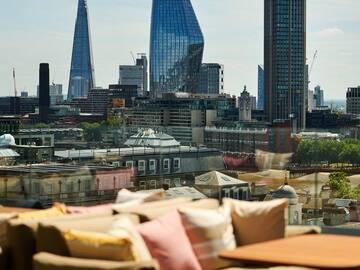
[235, 41]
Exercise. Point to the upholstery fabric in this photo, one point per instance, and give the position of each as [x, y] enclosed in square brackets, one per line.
[125, 195]
[168, 243]
[99, 246]
[153, 210]
[123, 226]
[209, 231]
[97, 209]
[256, 222]
[46, 261]
[56, 210]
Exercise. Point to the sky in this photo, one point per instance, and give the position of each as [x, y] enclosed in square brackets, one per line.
[35, 31]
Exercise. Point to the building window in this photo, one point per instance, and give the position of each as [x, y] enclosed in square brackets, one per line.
[152, 184]
[87, 184]
[50, 189]
[129, 164]
[152, 165]
[177, 182]
[167, 182]
[166, 164]
[177, 163]
[142, 165]
[142, 185]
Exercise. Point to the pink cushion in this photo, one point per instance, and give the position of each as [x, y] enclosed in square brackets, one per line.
[167, 241]
[97, 209]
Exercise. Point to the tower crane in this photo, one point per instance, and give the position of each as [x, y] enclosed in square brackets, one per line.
[312, 65]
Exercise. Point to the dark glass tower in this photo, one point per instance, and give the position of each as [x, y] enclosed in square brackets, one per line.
[176, 47]
[82, 77]
[44, 92]
[285, 59]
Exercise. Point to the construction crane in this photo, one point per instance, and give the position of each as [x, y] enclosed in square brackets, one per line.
[133, 57]
[14, 77]
[312, 64]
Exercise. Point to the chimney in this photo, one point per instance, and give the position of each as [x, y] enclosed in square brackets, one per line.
[44, 92]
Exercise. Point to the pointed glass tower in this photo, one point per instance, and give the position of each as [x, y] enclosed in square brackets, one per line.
[176, 47]
[82, 67]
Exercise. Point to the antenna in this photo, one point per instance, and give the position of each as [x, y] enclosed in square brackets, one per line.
[14, 77]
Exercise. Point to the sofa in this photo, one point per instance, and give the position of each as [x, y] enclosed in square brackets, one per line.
[39, 244]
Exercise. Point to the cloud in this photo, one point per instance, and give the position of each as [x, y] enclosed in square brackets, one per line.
[330, 32]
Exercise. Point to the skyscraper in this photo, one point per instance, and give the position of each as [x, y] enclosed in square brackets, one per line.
[44, 93]
[284, 59]
[261, 87]
[82, 76]
[135, 75]
[176, 47]
[319, 96]
[211, 79]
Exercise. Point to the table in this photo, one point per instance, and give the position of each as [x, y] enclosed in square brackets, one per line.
[315, 251]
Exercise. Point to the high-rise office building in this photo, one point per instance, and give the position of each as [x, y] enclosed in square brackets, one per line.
[44, 92]
[143, 62]
[319, 96]
[353, 100]
[176, 47]
[284, 60]
[245, 106]
[211, 79]
[82, 77]
[261, 87]
[135, 75]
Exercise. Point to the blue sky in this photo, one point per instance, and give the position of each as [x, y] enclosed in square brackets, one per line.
[34, 31]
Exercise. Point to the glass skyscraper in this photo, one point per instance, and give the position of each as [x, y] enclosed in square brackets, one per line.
[176, 47]
[285, 59]
[261, 88]
[82, 77]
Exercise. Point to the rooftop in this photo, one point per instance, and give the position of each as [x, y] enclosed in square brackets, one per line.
[151, 138]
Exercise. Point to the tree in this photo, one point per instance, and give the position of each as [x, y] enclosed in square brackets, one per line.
[340, 185]
[92, 131]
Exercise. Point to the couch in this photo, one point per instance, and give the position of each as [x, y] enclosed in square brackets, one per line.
[30, 244]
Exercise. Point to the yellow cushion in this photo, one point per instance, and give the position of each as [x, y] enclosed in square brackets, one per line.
[56, 210]
[99, 246]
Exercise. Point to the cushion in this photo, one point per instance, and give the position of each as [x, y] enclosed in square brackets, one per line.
[209, 231]
[256, 222]
[153, 210]
[51, 231]
[97, 209]
[125, 195]
[21, 237]
[100, 246]
[56, 210]
[46, 261]
[123, 226]
[168, 243]
[3, 220]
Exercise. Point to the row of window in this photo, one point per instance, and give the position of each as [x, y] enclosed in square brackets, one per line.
[151, 165]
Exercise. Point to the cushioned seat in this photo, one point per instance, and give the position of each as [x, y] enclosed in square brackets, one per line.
[46, 261]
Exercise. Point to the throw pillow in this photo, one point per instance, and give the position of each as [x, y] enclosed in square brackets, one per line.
[209, 231]
[256, 222]
[168, 243]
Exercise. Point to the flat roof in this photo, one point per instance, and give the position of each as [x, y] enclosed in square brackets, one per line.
[93, 153]
[51, 168]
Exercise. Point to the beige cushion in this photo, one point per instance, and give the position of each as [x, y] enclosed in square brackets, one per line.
[50, 231]
[125, 196]
[209, 231]
[123, 226]
[21, 238]
[46, 261]
[153, 210]
[271, 268]
[256, 222]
